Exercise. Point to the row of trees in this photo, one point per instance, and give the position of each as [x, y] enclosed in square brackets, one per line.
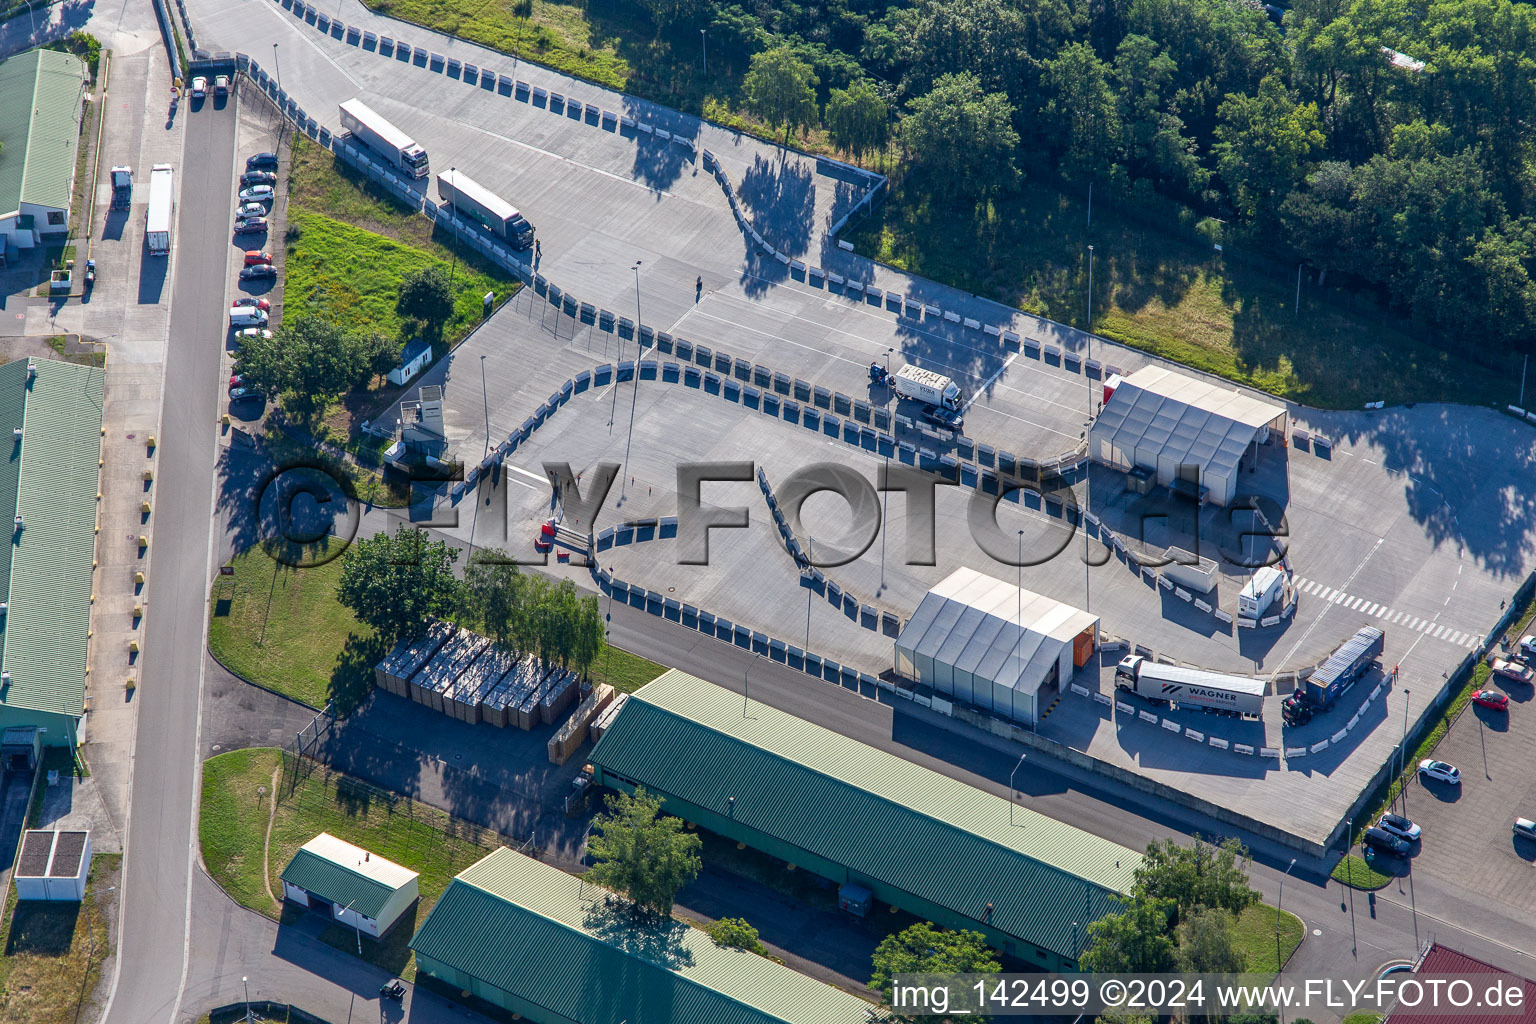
[393, 582]
[1387, 143]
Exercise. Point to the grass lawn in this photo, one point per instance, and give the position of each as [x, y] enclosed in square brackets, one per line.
[1355, 872]
[623, 671]
[1255, 935]
[54, 951]
[1363, 1018]
[1165, 291]
[283, 628]
[232, 829]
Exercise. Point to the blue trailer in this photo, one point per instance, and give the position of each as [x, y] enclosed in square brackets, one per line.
[1334, 676]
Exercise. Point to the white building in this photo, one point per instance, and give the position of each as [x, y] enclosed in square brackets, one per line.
[53, 865]
[1189, 432]
[42, 95]
[988, 643]
[349, 885]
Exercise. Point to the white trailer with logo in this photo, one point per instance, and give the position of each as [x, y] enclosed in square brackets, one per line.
[1238, 696]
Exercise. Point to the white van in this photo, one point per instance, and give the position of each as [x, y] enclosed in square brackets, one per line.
[246, 316]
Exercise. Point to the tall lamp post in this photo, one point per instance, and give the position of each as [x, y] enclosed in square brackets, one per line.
[1279, 902]
[454, 265]
[1349, 873]
[704, 46]
[1406, 693]
[244, 980]
[635, 395]
[1011, 774]
[744, 677]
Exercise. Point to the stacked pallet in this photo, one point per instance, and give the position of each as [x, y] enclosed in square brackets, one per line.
[427, 685]
[464, 698]
[559, 693]
[605, 718]
[500, 706]
[570, 736]
[393, 673]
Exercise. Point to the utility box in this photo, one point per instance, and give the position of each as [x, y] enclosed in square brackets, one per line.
[53, 865]
[1260, 592]
[1190, 571]
[854, 899]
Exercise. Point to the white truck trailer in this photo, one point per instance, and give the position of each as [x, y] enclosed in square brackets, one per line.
[157, 222]
[1237, 696]
[479, 204]
[371, 129]
[926, 386]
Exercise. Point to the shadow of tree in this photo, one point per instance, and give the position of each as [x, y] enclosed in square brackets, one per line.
[780, 201]
[352, 678]
[658, 940]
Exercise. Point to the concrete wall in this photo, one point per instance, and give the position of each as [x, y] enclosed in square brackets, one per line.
[61, 729]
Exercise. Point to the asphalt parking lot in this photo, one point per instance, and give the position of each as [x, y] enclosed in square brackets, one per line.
[1467, 845]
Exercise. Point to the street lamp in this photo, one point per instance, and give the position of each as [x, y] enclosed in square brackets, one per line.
[1406, 693]
[744, 677]
[810, 569]
[245, 980]
[704, 46]
[1011, 774]
[1279, 901]
[356, 928]
[635, 397]
[454, 265]
[1349, 873]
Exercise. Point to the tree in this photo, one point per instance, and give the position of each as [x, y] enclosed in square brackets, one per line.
[308, 361]
[378, 353]
[670, 12]
[1207, 943]
[641, 853]
[1082, 108]
[781, 89]
[426, 297]
[735, 933]
[1319, 220]
[393, 583]
[857, 118]
[962, 139]
[493, 593]
[923, 949]
[589, 633]
[1152, 135]
[1136, 939]
[1199, 875]
[1263, 143]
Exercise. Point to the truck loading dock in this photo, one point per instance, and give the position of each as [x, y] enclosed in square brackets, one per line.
[1184, 429]
[989, 643]
[851, 813]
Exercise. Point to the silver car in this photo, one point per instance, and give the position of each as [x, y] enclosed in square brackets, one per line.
[250, 210]
[1525, 828]
[1440, 772]
[1400, 826]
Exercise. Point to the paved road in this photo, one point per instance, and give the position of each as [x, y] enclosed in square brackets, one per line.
[161, 842]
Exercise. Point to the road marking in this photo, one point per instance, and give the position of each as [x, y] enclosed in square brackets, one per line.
[989, 382]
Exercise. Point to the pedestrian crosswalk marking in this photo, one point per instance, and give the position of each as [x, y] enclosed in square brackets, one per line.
[1388, 615]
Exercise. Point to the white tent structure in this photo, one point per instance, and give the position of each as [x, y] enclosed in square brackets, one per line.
[1176, 425]
[986, 642]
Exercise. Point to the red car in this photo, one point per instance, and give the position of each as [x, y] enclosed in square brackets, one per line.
[1491, 699]
[251, 300]
[257, 256]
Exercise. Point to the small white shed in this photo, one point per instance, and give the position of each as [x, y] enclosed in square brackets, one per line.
[53, 865]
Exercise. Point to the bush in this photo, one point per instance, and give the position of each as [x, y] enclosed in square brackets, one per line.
[735, 933]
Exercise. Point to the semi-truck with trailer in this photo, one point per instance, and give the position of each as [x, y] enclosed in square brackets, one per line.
[122, 187]
[1218, 692]
[1324, 687]
[157, 222]
[474, 201]
[1261, 591]
[927, 387]
[371, 129]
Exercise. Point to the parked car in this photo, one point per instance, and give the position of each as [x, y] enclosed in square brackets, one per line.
[1491, 699]
[255, 256]
[1514, 671]
[260, 160]
[1385, 841]
[1440, 772]
[250, 178]
[1399, 826]
[1525, 828]
[1528, 646]
[250, 225]
[252, 332]
[199, 87]
[245, 210]
[946, 419]
[251, 300]
[394, 988]
[245, 394]
[221, 85]
[260, 272]
[257, 194]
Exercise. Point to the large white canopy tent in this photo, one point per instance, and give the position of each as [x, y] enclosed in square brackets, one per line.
[989, 643]
[1165, 421]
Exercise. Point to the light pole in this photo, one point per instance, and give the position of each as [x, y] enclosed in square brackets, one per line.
[246, 981]
[704, 46]
[1011, 774]
[810, 587]
[486, 399]
[635, 395]
[1089, 328]
[1349, 873]
[1523, 367]
[744, 677]
[454, 265]
[885, 494]
[1297, 311]
[1406, 693]
[1018, 651]
[1279, 902]
[356, 928]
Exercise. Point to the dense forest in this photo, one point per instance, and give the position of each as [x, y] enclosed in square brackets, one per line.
[1386, 145]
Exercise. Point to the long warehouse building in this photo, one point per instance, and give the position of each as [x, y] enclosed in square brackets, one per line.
[945, 851]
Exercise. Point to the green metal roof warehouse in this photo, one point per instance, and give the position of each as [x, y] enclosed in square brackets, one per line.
[52, 412]
[532, 939]
[916, 839]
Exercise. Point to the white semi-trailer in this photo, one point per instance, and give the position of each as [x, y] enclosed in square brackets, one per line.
[370, 129]
[479, 204]
[926, 386]
[1238, 696]
[157, 222]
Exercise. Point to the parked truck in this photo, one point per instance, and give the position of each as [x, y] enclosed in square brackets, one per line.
[122, 187]
[1261, 591]
[1237, 696]
[928, 387]
[372, 130]
[1344, 666]
[474, 201]
[157, 222]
